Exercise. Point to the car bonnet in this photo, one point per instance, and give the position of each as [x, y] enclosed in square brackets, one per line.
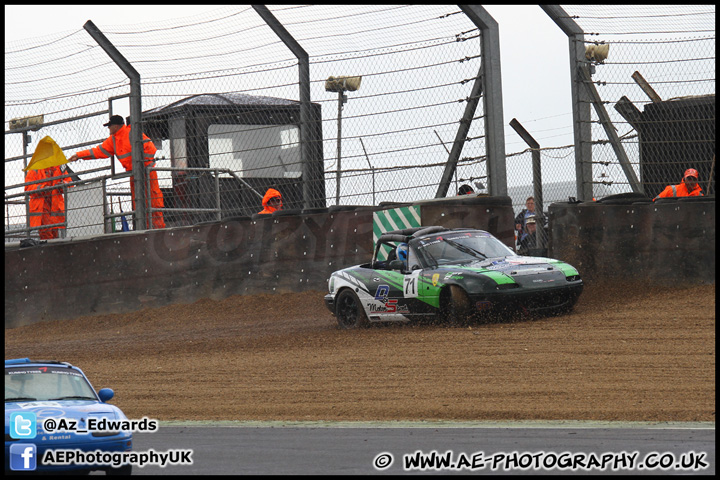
[79, 410]
[525, 270]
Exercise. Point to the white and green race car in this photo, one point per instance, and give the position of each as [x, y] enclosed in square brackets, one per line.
[451, 275]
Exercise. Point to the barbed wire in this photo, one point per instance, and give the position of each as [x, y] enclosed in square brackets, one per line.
[417, 63]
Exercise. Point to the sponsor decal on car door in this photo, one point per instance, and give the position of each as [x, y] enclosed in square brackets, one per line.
[388, 304]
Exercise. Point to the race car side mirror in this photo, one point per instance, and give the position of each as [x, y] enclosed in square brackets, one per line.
[106, 394]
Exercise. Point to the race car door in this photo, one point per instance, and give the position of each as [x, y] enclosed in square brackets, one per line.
[414, 293]
[389, 303]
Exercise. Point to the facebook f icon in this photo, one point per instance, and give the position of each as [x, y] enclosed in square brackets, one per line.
[23, 457]
[23, 425]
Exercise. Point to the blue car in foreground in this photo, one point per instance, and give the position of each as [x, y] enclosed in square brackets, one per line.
[38, 390]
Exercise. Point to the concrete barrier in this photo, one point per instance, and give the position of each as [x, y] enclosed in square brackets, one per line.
[130, 271]
[669, 242]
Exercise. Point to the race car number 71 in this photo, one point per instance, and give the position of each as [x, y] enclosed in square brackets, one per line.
[411, 281]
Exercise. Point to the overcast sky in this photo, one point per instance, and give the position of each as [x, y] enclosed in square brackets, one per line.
[532, 47]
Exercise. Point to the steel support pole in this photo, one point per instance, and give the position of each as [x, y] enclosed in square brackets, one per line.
[492, 97]
[460, 137]
[580, 100]
[611, 133]
[339, 148]
[218, 215]
[372, 170]
[304, 84]
[26, 140]
[138, 163]
[537, 177]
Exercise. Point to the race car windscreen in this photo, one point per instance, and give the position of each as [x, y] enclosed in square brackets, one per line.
[457, 248]
[29, 384]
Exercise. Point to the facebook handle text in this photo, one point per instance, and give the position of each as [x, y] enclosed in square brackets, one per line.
[117, 459]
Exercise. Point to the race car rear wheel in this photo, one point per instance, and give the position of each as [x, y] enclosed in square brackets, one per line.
[455, 305]
[349, 311]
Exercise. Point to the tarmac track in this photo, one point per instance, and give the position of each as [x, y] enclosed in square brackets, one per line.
[627, 353]
[315, 448]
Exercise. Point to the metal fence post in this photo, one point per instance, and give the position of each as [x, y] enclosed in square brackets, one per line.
[537, 178]
[461, 136]
[304, 83]
[610, 131]
[492, 97]
[139, 173]
[26, 140]
[341, 96]
[580, 100]
[218, 216]
[372, 170]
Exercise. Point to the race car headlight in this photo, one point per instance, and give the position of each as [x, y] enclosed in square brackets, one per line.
[331, 284]
[572, 278]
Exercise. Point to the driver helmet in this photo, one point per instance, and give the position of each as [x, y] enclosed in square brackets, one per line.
[402, 252]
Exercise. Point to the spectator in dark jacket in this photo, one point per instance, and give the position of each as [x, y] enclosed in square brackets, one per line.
[529, 245]
[522, 217]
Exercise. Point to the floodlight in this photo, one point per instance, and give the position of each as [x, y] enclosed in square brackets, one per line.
[33, 122]
[597, 52]
[342, 84]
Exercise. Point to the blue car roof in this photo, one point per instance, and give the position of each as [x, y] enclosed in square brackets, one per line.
[26, 361]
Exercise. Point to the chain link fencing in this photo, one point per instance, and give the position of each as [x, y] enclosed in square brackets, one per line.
[657, 86]
[220, 101]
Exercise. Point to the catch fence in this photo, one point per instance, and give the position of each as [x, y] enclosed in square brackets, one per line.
[651, 84]
[221, 101]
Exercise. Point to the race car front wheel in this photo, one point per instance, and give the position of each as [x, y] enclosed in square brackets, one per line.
[455, 305]
[349, 310]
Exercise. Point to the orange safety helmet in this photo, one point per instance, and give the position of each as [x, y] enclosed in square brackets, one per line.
[690, 172]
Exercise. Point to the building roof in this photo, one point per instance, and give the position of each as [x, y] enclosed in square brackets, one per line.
[222, 99]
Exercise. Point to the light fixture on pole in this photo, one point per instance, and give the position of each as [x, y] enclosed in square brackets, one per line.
[341, 85]
[23, 125]
[33, 122]
[596, 54]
